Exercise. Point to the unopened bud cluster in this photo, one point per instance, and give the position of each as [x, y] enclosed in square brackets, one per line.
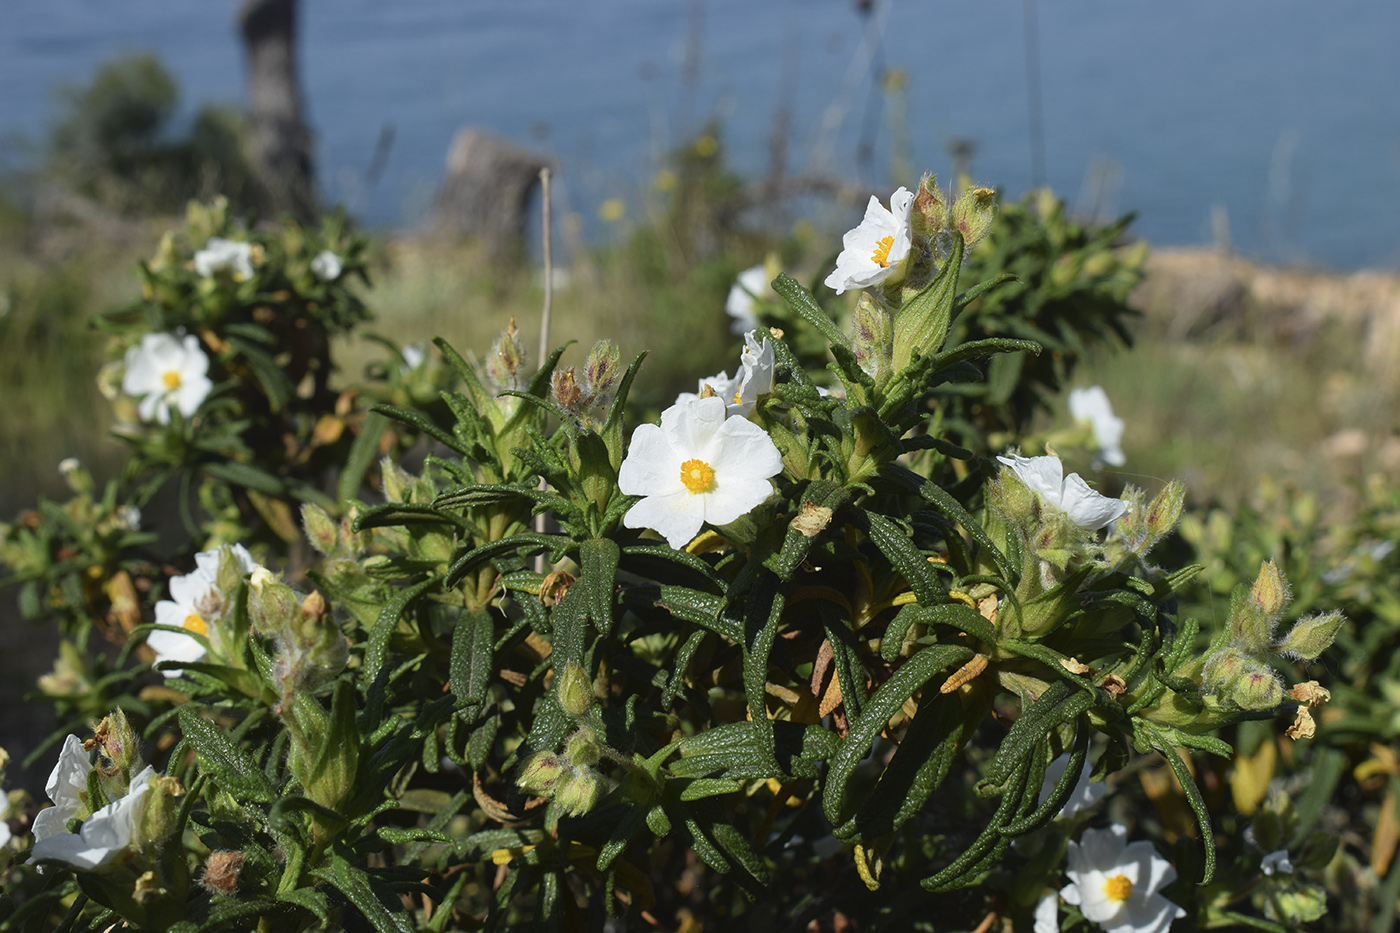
[311, 649]
[588, 393]
[507, 360]
[1237, 668]
[569, 778]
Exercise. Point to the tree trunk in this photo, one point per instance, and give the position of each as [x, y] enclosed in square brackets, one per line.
[279, 144]
[486, 192]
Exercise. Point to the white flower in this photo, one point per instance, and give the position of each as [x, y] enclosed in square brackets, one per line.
[1091, 406]
[753, 379]
[1070, 494]
[698, 466]
[104, 834]
[326, 266]
[68, 466]
[1085, 793]
[749, 285]
[195, 601]
[128, 517]
[165, 371]
[878, 247]
[413, 356]
[220, 255]
[1047, 914]
[67, 783]
[1116, 884]
[1276, 862]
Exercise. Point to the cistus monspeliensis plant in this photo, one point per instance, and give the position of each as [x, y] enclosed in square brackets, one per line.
[790, 653]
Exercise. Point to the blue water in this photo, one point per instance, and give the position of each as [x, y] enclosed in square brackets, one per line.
[1280, 115]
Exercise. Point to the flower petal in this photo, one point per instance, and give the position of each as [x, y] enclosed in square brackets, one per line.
[651, 466]
[1087, 508]
[676, 517]
[1042, 475]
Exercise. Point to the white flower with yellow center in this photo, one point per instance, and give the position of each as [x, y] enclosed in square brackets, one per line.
[1069, 494]
[164, 372]
[1091, 406]
[1115, 884]
[739, 304]
[698, 466]
[105, 834]
[326, 266]
[234, 257]
[195, 601]
[877, 249]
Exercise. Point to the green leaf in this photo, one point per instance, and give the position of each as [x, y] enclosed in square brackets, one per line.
[222, 761]
[1193, 797]
[377, 647]
[362, 455]
[472, 657]
[598, 559]
[801, 301]
[310, 900]
[877, 713]
[491, 550]
[246, 475]
[383, 910]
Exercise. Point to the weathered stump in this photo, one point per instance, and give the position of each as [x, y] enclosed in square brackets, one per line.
[486, 191]
[279, 145]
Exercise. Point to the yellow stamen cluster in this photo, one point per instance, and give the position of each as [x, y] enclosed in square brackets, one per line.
[881, 256]
[1118, 888]
[698, 476]
[194, 623]
[171, 380]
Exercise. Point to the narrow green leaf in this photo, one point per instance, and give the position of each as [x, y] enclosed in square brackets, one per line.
[377, 647]
[472, 656]
[598, 559]
[222, 761]
[361, 457]
[801, 301]
[922, 323]
[246, 475]
[384, 911]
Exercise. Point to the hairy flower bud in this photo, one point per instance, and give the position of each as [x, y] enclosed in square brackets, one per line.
[1164, 511]
[1258, 688]
[1253, 615]
[874, 337]
[579, 791]
[575, 690]
[541, 774]
[565, 387]
[973, 213]
[321, 529]
[273, 607]
[221, 871]
[506, 362]
[583, 747]
[930, 214]
[1311, 636]
[602, 371]
[1223, 668]
[162, 811]
[118, 742]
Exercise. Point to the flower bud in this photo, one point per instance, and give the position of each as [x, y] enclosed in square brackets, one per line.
[564, 385]
[162, 811]
[1311, 636]
[506, 362]
[1164, 511]
[273, 607]
[541, 774]
[1258, 688]
[874, 337]
[583, 747]
[321, 530]
[579, 791]
[1254, 615]
[1012, 498]
[396, 480]
[575, 690]
[1223, 668]
[930, 214]
[601, 371]
[118, 742]
[973, 213]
